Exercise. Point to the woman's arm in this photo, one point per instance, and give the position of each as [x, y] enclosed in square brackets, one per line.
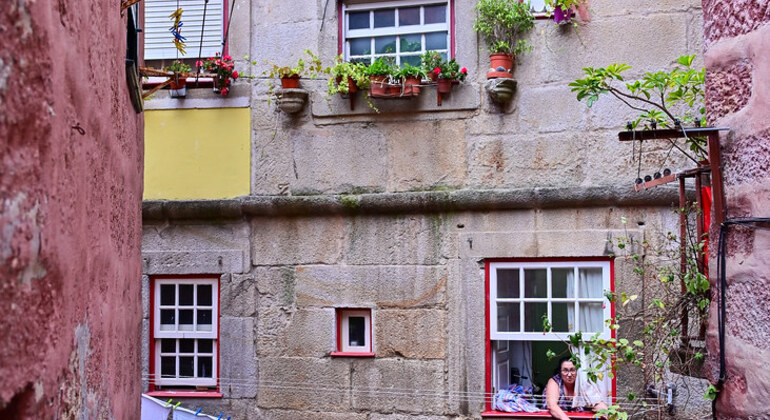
[552, 400]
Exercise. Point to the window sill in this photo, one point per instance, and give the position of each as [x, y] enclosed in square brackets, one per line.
[537, 415]
[186, 394]
[345, 354]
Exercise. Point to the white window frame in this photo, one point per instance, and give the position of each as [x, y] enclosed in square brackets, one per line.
[396, 31]
[158, 41]
[344, 330]
[176, 333]
[539, 8]
[606, 332]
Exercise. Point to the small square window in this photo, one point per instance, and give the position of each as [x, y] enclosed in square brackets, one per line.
[354, 332]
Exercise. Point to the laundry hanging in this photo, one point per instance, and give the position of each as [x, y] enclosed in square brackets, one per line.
[153, 409]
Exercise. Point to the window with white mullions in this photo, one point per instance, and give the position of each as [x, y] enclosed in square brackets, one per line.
[401, 30]
[185, 332]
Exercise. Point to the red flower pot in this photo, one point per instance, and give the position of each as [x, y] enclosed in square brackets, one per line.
[444, 85]
[411, 86]
[501, 66]
[291, 82]
[378, 87]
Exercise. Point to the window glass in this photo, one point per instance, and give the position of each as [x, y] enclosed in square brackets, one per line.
[435, 41]
[435, 14]
[535, 285]
[411, 59]
[205, 366]
[360, 46]
[508, 317]
[187, 346]
[168, 366]
[168, 345]
[185, 319]
[410, 43]
[409, 16]
[205, 346]
[385, 45]
[533, 316]
[591, 317]
[508, 283]
[358, 20]
[384, 18]
[167, 294]
[167, 319]
[186, 294]
[563, 316]
[356, 331]
[590, 282]
[204, 295]
[186, 366]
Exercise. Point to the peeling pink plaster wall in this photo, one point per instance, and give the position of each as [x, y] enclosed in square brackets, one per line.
[737, 56]
[70, 222]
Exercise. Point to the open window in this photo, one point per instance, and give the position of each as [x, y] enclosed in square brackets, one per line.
[570, 295]
[354, 333]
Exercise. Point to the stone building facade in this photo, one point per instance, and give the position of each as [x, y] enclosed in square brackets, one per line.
[736, 36]
[400, 214]
[70, 213]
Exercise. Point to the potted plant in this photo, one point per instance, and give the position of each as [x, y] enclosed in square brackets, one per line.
[178, 82]
[380, 73]
[430, 61]
[502, 24]
[410, 76]
[563, 10]
[223, 70]
[345, 77]
[290, 75]
[449, 72]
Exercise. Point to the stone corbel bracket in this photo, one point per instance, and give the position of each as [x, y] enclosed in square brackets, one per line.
[292, 101]
[501, 90]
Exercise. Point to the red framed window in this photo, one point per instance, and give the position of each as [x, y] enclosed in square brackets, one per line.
[354, 333]
[184, 335]
[402, 30]
[520, 294]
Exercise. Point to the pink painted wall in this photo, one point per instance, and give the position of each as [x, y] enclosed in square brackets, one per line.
[737, 47]
[70, 223]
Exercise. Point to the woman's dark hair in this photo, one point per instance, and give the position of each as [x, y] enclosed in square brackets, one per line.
[561, 362]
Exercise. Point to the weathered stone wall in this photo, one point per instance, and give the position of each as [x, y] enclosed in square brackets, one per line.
[737, 37]
[70, 194]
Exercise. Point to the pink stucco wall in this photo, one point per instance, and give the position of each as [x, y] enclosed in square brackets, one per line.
[70, 223]
[737, 42]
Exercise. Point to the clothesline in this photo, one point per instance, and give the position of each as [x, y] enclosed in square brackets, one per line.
[155, 409]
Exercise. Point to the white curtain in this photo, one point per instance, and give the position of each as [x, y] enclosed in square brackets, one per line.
[589, 393]
[591, 314]
[521, 358]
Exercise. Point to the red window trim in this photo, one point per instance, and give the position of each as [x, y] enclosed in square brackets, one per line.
[341, 22]
[488, 345]
[338, 351]
[170, 392]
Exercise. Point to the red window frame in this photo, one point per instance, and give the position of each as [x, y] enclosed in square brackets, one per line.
[489, 413]
[340, 312]
[180, 393]
[341, 23]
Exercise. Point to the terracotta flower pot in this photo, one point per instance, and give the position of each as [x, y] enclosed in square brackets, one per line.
[352, 87]
[378, 87]
[291, 82]
[178, 87]
[444, 85]
[501, 66]
[411, 86]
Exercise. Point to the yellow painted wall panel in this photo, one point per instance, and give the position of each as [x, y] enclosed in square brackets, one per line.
[197, 153]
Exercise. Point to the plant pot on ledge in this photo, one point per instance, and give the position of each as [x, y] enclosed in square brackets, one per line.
[178, 87]
[501, 66]
[290, 82]
[411, 86]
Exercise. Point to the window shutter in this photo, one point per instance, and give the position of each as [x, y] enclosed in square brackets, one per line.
[158, 41]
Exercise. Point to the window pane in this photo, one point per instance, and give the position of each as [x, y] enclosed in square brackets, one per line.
[185, 320]
[508, 317]
[167, 319]
[167, 345]
[186, 367]
[384, 18]
[411, 59]
[563, 317]
[562, 283]
[356, 331]
[204, 320]
[590, 282]
[385, 45]
[187, 346]
[168, 367]
[435, 14]
[360, 46]
[205, 367]
[358, 20]
[409, 16]
[591, 317]
[205, 346]
[435, 41]
[167, 294]
[410, 43]
[535, 283]
[533, 316]
[508, 283]
[204, 295]
[186, 294]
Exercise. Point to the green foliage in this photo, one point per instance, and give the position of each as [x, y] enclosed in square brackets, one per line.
[503, 23]
[612, 412]
[382, 66]
[408, 70]
[451, 70]
[564, 4]
[344, 70]
[311, 67]
[655, 95]
[430, 60]
[711, 393]
[178, 67]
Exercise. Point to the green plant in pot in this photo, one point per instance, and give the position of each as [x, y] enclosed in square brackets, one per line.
[411, 76]
[503, 25]
[430, 61]
[178, 84]
[449, 72]
[290, 75]
[345, 77]
[380, 73]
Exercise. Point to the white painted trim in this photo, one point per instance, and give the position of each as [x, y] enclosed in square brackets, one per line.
[345, 330]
